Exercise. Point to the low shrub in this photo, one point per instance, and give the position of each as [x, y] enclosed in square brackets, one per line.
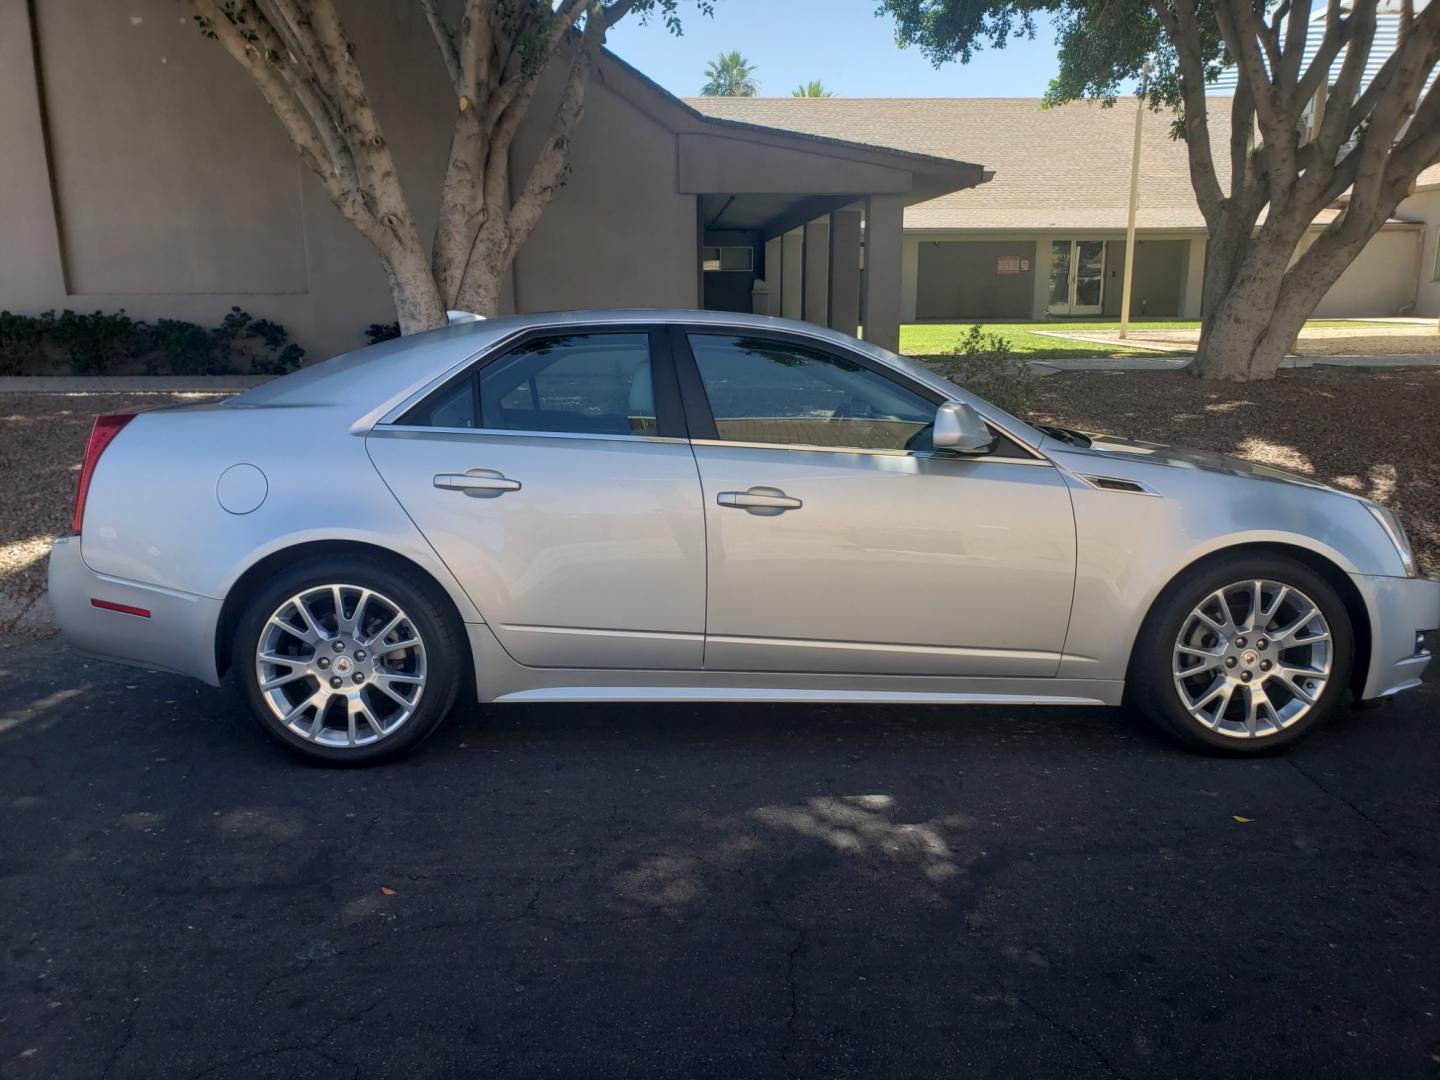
[21, 339]
[97, 343]
[101, 343]
[985, 365]
[377, 332]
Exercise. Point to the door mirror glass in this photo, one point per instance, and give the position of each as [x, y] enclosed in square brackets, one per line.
[958, 427]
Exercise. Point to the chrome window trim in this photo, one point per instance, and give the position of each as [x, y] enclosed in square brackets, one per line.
[807, 448]
[422, 429]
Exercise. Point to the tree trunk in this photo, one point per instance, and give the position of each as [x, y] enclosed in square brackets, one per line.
[412, 285]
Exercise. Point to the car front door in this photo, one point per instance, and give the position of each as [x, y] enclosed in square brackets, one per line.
[832, 547]
[555, 481]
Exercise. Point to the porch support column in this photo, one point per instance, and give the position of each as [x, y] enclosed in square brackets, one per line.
[909, 278]
[1040, 301]
[1192, 288]
[845, 271]
[792, 274]
[884, 228]
[817, 271]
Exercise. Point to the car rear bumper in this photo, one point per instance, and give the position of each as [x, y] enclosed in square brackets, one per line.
[176, 633]
[1401, 610]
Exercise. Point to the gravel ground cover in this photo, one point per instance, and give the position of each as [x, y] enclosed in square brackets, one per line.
[1375, 432]
[42, 439]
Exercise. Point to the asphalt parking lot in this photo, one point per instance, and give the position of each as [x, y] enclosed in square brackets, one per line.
[706, 892]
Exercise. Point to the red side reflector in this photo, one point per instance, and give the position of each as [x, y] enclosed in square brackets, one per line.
[123, 609]
[101, 435]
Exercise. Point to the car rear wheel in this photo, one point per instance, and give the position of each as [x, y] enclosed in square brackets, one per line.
[1244, 654]
[347, 661]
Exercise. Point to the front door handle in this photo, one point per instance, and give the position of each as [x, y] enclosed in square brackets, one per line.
[762, 501]
[477, 483]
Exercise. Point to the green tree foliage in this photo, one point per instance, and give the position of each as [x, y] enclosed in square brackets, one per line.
[1305, 130]
[813, 88]
[730, 75]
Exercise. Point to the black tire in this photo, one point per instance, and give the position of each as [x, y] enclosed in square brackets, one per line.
[1153, 686]
[427, 610]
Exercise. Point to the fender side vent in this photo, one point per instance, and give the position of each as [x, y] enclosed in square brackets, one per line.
[1116, 483]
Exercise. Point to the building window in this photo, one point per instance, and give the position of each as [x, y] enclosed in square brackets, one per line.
[1435, 270]
[737, 257]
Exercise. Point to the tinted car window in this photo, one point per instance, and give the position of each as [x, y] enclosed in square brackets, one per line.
[767, 391]
[591, 384]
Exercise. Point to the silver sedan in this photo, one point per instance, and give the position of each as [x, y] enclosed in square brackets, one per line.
[685, 506]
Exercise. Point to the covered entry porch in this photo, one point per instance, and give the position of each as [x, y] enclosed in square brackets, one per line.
[808, 228]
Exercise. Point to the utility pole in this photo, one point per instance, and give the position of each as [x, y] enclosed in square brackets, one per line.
[1134, 202]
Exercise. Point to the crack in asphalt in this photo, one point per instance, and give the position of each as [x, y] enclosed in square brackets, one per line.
[312, 1047]
[125, 1039]
[1073, 1035]
[1343, 800]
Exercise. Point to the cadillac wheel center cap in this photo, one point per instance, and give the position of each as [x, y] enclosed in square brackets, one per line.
[1249, 659]
[343, 665]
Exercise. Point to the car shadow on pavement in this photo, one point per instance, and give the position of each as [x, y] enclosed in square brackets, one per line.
[704, 890]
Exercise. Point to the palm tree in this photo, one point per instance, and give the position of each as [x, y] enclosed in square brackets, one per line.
[814, 88]
[730, 75]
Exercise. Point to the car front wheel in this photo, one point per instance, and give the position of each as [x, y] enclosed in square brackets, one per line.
[346, 661]
[1244, 654]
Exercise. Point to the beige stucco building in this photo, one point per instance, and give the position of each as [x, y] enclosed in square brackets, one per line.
[142, 170]
[1046, 236]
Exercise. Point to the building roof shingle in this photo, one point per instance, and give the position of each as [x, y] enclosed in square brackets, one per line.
[1061, 168]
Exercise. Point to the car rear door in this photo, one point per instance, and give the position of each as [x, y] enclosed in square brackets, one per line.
[554, 479]
[834, 548]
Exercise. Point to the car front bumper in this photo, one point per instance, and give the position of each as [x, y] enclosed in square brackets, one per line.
[177, 634]
[1402, 610]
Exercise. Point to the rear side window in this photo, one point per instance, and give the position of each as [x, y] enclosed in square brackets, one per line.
[584, 384]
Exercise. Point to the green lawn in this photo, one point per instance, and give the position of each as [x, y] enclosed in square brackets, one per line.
[939, 339]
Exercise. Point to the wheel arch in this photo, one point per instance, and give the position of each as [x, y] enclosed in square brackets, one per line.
[279, 560]
[1334, 575]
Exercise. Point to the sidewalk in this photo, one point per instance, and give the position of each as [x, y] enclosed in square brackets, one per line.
[1056, 365]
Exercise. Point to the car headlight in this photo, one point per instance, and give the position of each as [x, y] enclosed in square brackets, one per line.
[1391, 524]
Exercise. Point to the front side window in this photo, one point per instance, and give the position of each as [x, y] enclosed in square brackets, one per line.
[586, 384]
[768, 391]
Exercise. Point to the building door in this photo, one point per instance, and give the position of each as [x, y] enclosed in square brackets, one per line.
[1077, 277]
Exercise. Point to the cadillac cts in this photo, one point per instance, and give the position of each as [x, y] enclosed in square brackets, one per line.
[684, 505]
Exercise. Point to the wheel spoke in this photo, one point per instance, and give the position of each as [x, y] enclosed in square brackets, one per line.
[1257, 595]
[382, 684]
[316, 699]
[1206, 660]
[315, 633]
[1225, 628]
[385, 649]
[290, 676]
[388, 629]
[1267, 615]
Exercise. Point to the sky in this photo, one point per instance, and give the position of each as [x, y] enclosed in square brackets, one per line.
[843, 43]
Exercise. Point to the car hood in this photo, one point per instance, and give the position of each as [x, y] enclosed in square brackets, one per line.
[1175, 457]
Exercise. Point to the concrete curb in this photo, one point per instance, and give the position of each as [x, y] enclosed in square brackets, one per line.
[128, 384]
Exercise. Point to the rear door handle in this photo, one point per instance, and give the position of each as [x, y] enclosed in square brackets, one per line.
[762, 501]
[478, 483]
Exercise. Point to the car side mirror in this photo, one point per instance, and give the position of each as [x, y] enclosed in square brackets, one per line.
[958, 427]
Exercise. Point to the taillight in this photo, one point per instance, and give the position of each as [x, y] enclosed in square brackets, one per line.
[101, 435]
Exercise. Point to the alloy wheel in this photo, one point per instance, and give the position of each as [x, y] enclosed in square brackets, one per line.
[1252, 658]
[341, 665]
